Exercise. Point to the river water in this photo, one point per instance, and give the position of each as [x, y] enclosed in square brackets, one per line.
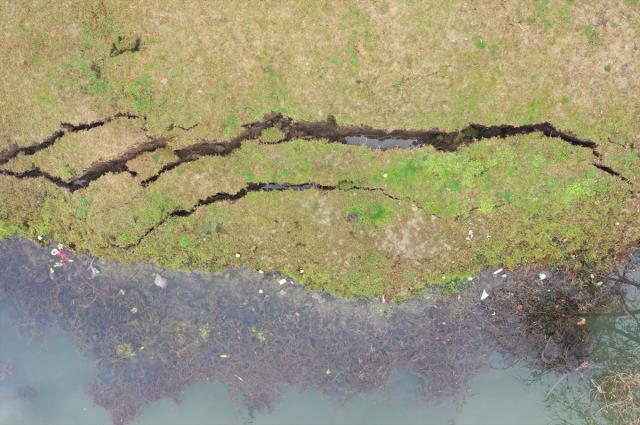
[49, 376]
[57, 374]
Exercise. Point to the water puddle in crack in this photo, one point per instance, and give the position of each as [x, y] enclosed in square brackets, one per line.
[246, 347]
[377, 143]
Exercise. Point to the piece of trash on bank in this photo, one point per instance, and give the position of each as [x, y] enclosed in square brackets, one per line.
[503, 275]
[282, 281]
[484, 295]
[159, 281]
[498, 272]
[260, 291]
[328, 372]
[223, 356]
[581, 322]
[39, 237]
[261, 271]
[239, 378]
[63, 257]
[469, 235]
[542, 276]
[237, 254]
[384, 299]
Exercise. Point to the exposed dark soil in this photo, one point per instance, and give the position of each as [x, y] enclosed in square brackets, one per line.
[97, 169]
[308, 130]
[331, 131]
[118, 48]
[11, 153]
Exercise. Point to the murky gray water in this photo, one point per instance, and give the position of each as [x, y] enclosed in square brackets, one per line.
[57, 374]
[376, 143]
[245, 347]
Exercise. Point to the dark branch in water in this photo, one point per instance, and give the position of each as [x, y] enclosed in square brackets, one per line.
[261, 187]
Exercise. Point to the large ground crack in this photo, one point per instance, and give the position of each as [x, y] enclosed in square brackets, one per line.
[343, 185]
[66, 128]
[96, 170]
[446, 141]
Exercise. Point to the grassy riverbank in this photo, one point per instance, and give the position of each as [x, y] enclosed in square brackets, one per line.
[394, 220]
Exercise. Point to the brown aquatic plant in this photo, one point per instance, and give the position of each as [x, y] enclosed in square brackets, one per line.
[619, 396]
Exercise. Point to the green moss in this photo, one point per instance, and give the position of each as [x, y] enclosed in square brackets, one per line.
[7, 230]
[271, 135]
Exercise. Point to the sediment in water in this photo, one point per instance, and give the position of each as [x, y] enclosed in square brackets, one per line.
[255, 332]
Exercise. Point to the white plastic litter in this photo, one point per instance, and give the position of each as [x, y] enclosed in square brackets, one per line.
[159, 281]
[542, 276]
[282, 281]
[498, 271]
[484, 295]
[94, 270]
[55, 252]
[261, 271]
[39, 237]
[260, 291]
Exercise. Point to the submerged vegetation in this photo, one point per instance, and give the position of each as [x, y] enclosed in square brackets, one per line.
[256, 332]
